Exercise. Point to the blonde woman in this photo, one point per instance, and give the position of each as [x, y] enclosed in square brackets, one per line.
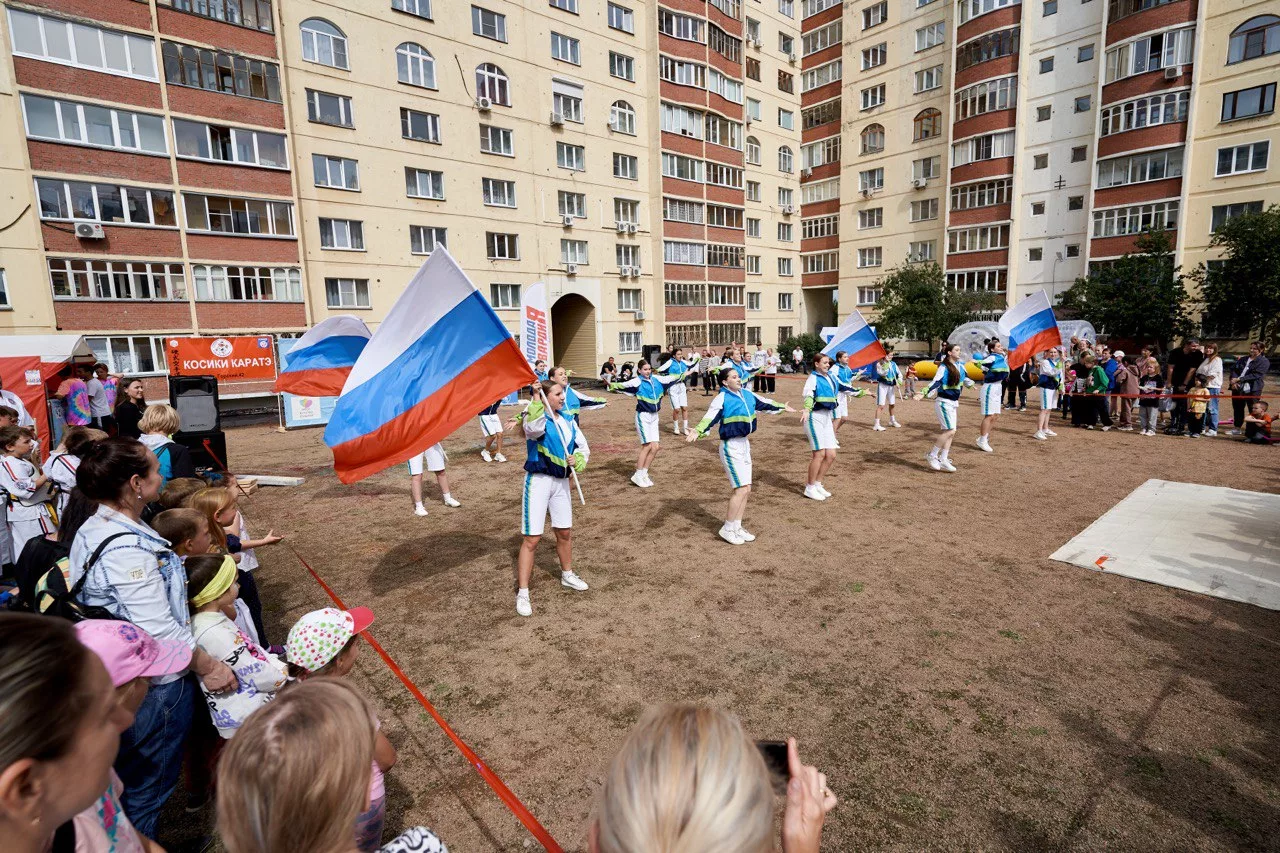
[296, 774]
[689, 780]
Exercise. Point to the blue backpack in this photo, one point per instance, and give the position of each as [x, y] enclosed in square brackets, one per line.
[166, 464]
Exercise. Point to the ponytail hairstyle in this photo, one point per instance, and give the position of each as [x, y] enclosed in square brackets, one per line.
[78, 510]
[107, 466]
[949, 364]
[77, 438]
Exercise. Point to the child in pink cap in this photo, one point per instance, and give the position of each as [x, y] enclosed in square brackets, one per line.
[132, 657]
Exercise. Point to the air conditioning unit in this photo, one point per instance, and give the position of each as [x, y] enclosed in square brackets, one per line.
[632, 227]
[757, 44]
[557, 119]
[791, 57]
[1173, 73]
[788, 209]
[868, 193]
[748, 120]
[570, 269]
[90, 231]
[615, 125]
[639, 315]
[621, 226]
[624, 272]
[567, 220]
[919, 183]
[483, 104]
[807, 172]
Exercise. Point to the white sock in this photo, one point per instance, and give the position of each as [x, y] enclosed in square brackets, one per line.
[933, 454]
[418, 505]
[728, 524]
[446, 497]
[877, 422]
[523, 593]
[945, 455]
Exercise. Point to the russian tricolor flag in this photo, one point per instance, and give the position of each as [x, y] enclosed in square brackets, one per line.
[440, 356]
[859, 340]
[1030, 327]
[321, 360]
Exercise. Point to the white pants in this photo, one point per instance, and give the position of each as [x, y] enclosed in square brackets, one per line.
[886, 395]
[991, 395]
[842, 405]
[490, 425]
[1048, 398]
[679, 394]
[647, 427]
[947, 411]
[434, 456]
[543, 494]
[821, 431]
[735, 456]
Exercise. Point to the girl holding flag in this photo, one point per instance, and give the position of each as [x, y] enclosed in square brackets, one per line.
[995, 370]
[1052, 373]
[820, 392]
[676, 366]
[946, 386]
[557, 449]
[648, 390]
[842, 372]
[888, 378]
[734, 409]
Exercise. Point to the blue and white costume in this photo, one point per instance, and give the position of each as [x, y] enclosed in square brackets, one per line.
[648, 394]
[948, 395]
[821, 393]
[552, 442]
[845, 374]
[744, 370]
[678, 368]
[1052, 375]
[995, 370]
[887, 379]
[735, 412]
[574, 403]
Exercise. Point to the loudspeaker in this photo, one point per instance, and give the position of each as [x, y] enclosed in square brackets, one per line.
[213, 456]
[196, 399]
[651, 353]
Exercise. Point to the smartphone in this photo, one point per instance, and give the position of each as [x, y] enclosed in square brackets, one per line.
[774, 753]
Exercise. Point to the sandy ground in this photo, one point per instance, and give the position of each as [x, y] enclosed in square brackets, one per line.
[959, 689]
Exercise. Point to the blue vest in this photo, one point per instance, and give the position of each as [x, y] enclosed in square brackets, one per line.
[1052, 381]
[742, 369]
[824, 392]
[572, 405]
[997, 370]
[949, 391]
[549, 455]
[891, 374]
[737, 414]
[678, 367]
[845, 373]
[649, 395]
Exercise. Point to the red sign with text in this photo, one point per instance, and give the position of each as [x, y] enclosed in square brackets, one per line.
[229, 359]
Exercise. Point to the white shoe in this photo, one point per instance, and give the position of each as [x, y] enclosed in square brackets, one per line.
[485, 455]
[893, 422]
[675, 428]
[877, 427]
[1039, 435]
[498, 457]
[1050, 433]
[572, 581]
[450, 500]
[934, 462]
[1211, 432]
[419, 510]
[730, 536]
[638, 479]
[746, 537]
[947, 466]
[813, 494]
[984, 445]
[823, 489]
[648, 481]
[523, 606]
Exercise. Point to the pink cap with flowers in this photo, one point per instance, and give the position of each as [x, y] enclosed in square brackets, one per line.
[316, 638]
[128, 652]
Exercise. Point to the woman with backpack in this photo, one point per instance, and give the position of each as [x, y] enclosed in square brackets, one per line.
[122, 566]
[158, 423]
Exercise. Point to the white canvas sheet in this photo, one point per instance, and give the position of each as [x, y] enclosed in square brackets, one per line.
[1208, 539]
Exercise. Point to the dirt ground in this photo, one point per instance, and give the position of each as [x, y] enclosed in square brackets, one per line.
[960, 690]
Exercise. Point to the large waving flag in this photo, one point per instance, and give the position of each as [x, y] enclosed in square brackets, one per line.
[858, 339]
[321, 360]
[440, 356]
[1030, 327]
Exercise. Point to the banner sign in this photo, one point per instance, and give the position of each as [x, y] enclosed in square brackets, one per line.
[535, 324]
[231, 359]
[300, 410]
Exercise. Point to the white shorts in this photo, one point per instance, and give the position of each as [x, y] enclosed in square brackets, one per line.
[842, 405]
[647, 427]
[679, 394]
[821, 431]
[947, 411]
[434, 456]
[490, 424]
[543, 494]
[735, 455]
[990, 396]
[886, 395]
[1048, 398]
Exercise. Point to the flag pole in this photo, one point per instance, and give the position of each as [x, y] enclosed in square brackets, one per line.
[579, 485]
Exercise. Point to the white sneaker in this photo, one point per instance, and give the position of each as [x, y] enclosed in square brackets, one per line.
[638, 479]
[648, 481]
[675, 428]
[572, 581]
[1039, 435]
[813, 494]
[419, 510]
[823, 489]
[450, 500]
[893, 422]
[877, 427]
[1050, 433]
[947, 466]
[746, 536]
[934, 462]
[485, 455]
[730, 536]
[984, 445]
[498, 457]
[523, 606]
[1211, 432]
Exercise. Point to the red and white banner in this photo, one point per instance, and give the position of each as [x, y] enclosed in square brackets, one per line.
[229, 359]
[535, 324]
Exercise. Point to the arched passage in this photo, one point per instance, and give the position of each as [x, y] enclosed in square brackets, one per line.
[573, 334]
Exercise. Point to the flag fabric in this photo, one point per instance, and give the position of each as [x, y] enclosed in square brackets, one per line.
[1030, 327]
[859, 340]
[321, 360]
[440, 356]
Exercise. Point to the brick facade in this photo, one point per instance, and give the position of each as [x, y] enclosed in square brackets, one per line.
[220, 105]
[254, 250]
[127, 240]
[51, 77]
[199, 174]
[250, 316]
[121, 315]
[100, 162]
[229, 37]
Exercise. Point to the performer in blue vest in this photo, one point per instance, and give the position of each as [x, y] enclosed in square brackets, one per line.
[1052, 374]
[491, 429]
[574, 403]
[821, 391]
[648, 389]
[734, 409]
[556, 447]
[946, 386]
[995, 370]
[841, 370]
[888, 378]
[736, 357]
[678, 366]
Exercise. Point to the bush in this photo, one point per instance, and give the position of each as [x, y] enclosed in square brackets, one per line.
[809, 342]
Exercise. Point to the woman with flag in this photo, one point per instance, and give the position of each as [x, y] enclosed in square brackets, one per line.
[995, 370]
[648, 390]
[677, 366]
[557, 450]
[946, 386]
[820, 393]
[734, 409]
[888, 378]
[1051, 373]
[842, 371]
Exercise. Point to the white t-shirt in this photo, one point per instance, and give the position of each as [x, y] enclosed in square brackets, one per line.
[1211, 368]
[13, 401]
[259, 674]
[797, 354]
[771, 365]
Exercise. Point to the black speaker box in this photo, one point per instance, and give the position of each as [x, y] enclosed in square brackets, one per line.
[213, 455]
[196, 399]
[651, 353]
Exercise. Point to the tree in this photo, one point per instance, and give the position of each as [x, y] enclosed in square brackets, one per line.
[810, 343]
[1242, 290]
[916, 302]
[1141, 296]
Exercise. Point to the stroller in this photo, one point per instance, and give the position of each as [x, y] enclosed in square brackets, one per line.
[627, 371]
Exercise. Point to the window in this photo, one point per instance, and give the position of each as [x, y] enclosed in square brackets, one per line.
[681, 167]
[493, 84]
[753, 69]
[786, 119]
[324, 43]
[496, 140]
[573, 251]
[753, 151]
[725, 294]
[752, 27]
[927, 168]
[873, 97]
[822, 38]
[682, 72]
[626, 166]
[238, 215]
[684, 27]
[1036, 254]
[1050, 7]
[753, 109]
[681, 252]
[346, 292]
[1075, 202]
[722, 131]
[185, 65]
[4, 291]
[566, 49]
[254, 14]
[724, 44]
[342, 234]
[228, 144]
[989, 146]
[929, 79]
[103, 127]
[786, 44]
[753, 191]
[1224, 213]
[874, 57]
[1043, 112]
[813, 78]
[498, 193]
[875, 14]
[924, 209]
[502, 247]
[566, 5]
[621, 18]
[927, 124]
[247, 284]
[809, 8]
[622, 67]
[626, 210]
[415, 66]
[1040, 161]
[622, 118]
[873, 139]
[931, 36]
[981, 194]
[684, 294]
[1256, 37]
[1079, 153]
[423, 239]
[1239, 159]
[571, 156]
[1073, 250]
[1123, 8]
[993, 281]
[81, 278]
[566, 99]
[1135, 219]
[504, 295]
[567, 203]
[784, 301]
[1246, 103]
[872, 217]
[679, 210]
[83, 46]
[821, 262]
[992, 95]
[1037, 208]
[725, 87]
[753, 227]
[753, 267]
[919, 251]
[629, 342]
[1084, 53]
[871, 179]
[324, 108]
[784, 159]
[820, 153]
[786, 82]
[724, 217]
[785, 196]
[420, 126]
[628, 256]
[815, 227]
[723, 176]
[987, 47]
[488, 24]
[970, 9]
[870, 257]
[784, 266]
[785, 232]
[978, 239]
[732, 8]
[630, 299]
[1150, 53]
[868, 295]
[421, 8]
[787, 8]
[753, 300]
[1146, 111]
[339, 173]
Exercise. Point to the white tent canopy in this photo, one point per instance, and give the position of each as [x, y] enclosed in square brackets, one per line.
[52, 349]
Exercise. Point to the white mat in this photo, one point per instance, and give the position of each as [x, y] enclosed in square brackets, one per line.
[1222, 542]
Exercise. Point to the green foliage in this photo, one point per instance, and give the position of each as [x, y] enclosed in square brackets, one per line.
[915, 302]
[1141, 296]
[1243, 291]
[809, 342]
